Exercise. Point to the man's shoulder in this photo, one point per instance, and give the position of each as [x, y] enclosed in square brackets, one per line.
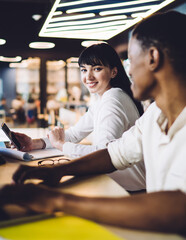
[153, 109]
[151, 115]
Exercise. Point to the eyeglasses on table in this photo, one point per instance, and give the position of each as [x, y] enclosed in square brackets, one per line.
[51, 161]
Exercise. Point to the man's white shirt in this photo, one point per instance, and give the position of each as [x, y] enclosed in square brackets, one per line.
[164, 154]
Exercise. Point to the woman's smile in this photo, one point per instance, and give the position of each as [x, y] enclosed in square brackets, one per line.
[91, 84]
[96, 78]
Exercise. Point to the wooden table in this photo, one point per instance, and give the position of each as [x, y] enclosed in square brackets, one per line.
[100, 185]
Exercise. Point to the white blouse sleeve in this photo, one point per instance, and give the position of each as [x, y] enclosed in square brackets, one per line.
[110, 121]
[107, 118]
[76, 133]
[81, 129]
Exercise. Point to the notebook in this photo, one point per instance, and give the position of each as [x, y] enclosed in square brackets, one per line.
[58, 228]
[32, 155]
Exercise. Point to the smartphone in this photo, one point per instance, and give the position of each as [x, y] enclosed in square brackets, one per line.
[2, 160]
[10, 135]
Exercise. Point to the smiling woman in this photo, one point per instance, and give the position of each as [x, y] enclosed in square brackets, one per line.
[112, 113]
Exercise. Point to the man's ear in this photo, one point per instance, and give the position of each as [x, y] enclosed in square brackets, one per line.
[155, 59]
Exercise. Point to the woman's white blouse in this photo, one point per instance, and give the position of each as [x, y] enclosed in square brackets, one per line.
[107, 118]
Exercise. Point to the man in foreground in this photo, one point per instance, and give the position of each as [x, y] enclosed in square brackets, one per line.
[157, 53]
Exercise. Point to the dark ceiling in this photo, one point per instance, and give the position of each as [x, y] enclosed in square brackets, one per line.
[19, 29]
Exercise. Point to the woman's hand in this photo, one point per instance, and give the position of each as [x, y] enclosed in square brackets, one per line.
[57, 137]
[50, 174]
[35, 197]
[25, 141]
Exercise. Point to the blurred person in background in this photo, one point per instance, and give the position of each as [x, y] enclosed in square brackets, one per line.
[30, 110]
[19, 112]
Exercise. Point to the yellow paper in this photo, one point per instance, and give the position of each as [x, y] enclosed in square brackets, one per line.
[62, 228]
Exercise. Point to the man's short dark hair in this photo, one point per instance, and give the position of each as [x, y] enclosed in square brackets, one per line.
[165, 31]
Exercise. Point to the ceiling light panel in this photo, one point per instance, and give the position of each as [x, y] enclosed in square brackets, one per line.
[96, 19]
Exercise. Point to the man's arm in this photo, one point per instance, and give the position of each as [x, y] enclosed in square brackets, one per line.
[95, 163]
[160, 211]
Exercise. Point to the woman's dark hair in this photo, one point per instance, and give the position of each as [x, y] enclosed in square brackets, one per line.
[104, 54]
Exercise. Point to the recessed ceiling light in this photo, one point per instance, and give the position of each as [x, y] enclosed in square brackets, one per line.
[10, 59]
[41, 45]
[36, 17]
[89, 43]
[2, 41]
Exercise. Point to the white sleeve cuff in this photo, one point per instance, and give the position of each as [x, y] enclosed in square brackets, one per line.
[47, 142]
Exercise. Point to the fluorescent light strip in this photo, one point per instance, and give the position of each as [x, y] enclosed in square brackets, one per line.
[108, 28]
[77, 35]
[72, 3]
[126, 10]
[87, 31]
[80, 16]
[57, 13]
[72, 17]
[105, 6]
[100, 19]
[88, 26]
[101, 35]
[138, 14]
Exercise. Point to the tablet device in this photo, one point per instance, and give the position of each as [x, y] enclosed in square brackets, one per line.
[10, 135]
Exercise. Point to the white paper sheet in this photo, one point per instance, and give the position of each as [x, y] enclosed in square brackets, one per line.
[33, 155]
